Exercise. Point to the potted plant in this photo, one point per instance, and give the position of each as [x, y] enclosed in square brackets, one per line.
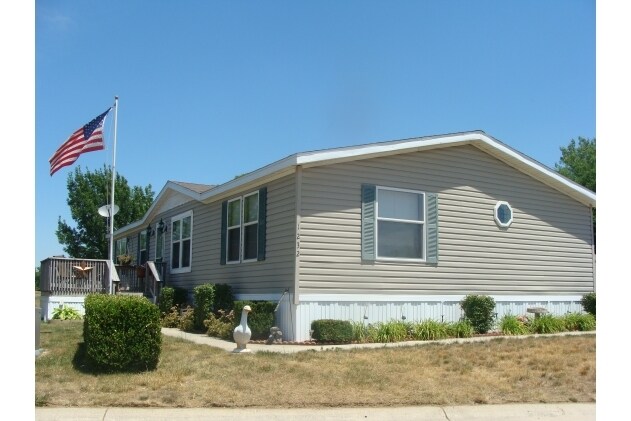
[140, 271]
[125, 259]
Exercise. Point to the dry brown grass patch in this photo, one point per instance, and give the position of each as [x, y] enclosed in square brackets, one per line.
[556, 369]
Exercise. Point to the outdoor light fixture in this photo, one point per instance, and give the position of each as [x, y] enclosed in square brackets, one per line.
[162, 228]
[150, 232]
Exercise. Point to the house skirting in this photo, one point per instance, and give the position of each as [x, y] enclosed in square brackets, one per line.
[50, 302]
[295, 320]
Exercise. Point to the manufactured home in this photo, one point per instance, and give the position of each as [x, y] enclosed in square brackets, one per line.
[393, 230]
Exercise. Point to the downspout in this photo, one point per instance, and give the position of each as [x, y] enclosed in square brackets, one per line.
[591, 230]
[298, 201]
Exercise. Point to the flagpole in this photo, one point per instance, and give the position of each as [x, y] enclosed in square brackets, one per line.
[112, 201]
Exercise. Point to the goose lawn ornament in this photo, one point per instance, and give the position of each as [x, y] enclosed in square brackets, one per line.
[242, 333]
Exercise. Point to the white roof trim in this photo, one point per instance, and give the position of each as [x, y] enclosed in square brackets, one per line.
[328, 156]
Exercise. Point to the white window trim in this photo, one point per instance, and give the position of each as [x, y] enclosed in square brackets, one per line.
[181, 269]
[229, 227]
[242, 225]
[423, 223]
[496, 217]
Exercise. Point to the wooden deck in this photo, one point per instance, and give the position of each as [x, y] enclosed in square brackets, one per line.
[80, 277]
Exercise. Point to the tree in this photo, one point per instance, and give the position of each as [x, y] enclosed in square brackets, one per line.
[87, 192]
[37, 277]
[578, 162]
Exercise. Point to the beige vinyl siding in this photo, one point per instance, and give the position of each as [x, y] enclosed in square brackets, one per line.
[270, 276]
[547, 249]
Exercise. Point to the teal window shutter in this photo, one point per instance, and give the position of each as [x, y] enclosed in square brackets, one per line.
[369, 197]
[432, 228]
[262, 223]
[224, 228]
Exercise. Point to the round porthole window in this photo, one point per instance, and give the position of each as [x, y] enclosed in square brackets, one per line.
[503, 214]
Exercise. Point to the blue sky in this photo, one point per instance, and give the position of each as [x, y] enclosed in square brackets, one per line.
[211, 89]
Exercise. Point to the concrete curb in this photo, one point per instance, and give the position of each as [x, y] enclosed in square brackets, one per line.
[510, 412]
[201, 338]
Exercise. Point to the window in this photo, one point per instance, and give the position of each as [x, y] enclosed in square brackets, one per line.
[121, 247]
[243, 228]
[142, 247]
[399, 224]
[181, 242]
[503, 214]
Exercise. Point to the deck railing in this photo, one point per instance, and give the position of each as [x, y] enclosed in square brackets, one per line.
[64, 276]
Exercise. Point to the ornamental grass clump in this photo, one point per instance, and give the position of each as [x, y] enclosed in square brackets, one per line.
[547, 323]
[514, 325]
[429, 330]
[393, 331]
[579, 322]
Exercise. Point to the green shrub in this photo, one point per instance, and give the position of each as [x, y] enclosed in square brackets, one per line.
[172, 318]
[579, 321]
[221, 326]
[589, 303]
[204, 296]
[513, 325]
[547, 323]
[429, 330]
[187, 319]
[166, 300]
[329, 330]
[393, 331]
[363, 333]
[224, 300]
[460, 329]
[260, 319]
[66, 313]
[121, 333]
[478, 309]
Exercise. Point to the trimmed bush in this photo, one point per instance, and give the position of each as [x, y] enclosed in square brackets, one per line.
[329, 330]
[224, 300]
[260, 319]
[204, 296]
[121, 333]
[589, 303]
[170, 297]
[478, 309]
[166, 300]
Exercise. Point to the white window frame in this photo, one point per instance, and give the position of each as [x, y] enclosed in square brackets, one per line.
[422, 222]
[180, 218]
[497, 218]
[247, 224]
[241, 227]
[229, 227]
[125, 249]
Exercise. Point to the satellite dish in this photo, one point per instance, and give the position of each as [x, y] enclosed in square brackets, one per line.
[105, 210]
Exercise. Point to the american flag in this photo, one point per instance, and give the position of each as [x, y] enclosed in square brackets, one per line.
[86, 139]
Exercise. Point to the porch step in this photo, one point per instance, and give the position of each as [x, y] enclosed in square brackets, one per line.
[135, 294]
